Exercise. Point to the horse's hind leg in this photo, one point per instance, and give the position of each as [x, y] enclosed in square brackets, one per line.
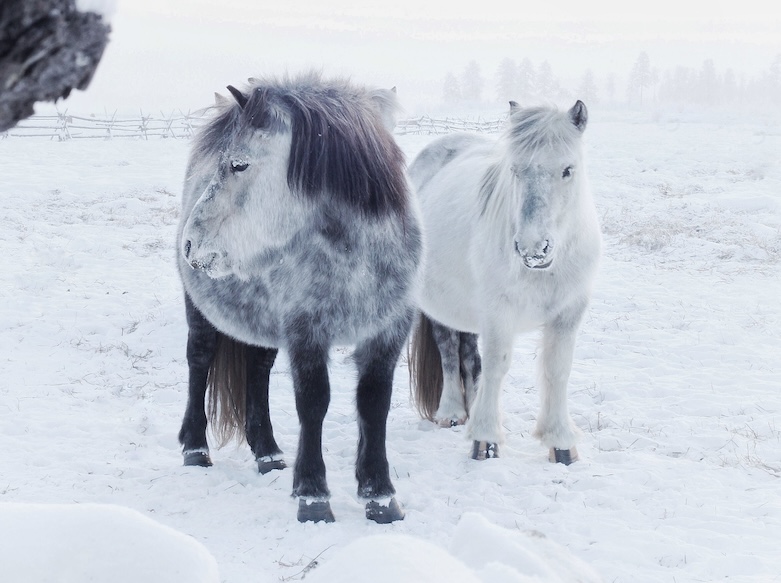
[201, 349]
[471, 365]
[452, 406]
[259, 432]
[376, 360]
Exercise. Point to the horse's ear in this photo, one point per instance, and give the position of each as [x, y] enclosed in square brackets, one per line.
[240, 98]
[394, 89]
[514, 106]
[579, 115]
[220, 99]
[387, 105]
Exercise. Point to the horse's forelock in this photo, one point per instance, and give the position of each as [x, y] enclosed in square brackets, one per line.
[341, 146]
[541, 129]
[531, 134]
[215, 136]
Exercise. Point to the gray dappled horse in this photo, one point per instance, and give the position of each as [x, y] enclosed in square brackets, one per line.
[512, 245]
[297, 232]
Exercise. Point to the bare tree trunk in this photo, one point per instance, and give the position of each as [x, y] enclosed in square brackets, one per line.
[47, 48]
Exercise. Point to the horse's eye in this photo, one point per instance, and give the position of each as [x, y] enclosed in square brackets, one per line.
[239, 165]
[568, 171]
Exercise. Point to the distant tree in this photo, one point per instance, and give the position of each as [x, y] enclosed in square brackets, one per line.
[451, 89]
[684, 81]
[587, 90]
[472, 83]
[655, 79]
[708, 84]
[507, 81]
[525, 84]
[774, 80]
[546, 84]
[610, 86]
[640, 77]
[730, 88]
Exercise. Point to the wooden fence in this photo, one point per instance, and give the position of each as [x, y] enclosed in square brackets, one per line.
[433, 126]
[68, 127]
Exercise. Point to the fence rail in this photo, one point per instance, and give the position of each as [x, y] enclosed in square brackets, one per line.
[432, 126]
[63, 126]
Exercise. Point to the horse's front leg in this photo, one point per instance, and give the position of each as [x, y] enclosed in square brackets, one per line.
[554, 426]
[309, 366]
[376, 360]
[258, 428]
[201, 350]
[484, 427]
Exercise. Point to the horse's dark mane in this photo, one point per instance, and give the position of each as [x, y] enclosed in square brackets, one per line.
[339, 148]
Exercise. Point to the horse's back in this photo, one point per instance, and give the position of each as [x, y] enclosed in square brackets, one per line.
[446, 176]
[440, 153]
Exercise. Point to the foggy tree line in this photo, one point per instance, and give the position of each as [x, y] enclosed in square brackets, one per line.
[706, 85]
[644, 85]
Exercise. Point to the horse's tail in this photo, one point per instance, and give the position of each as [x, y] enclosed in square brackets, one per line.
[425, 368]
[227, 384]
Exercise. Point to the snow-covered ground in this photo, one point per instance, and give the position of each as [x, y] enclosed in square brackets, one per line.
[676, 384]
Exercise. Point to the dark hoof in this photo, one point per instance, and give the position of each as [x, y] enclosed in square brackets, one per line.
[197, 458]
[384, 514]
[482, 450]
[314, 511]
[265, 466]
[563, 456]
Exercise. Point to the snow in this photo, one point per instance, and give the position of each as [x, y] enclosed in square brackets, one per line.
[675, 386]
[480, 552]
[97, 542]
[105, 8]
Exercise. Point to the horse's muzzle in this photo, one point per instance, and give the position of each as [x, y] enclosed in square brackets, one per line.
[206, 262]
[541, 257]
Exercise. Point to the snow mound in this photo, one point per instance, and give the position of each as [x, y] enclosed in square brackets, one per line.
[480, 552]
[500, 555]
[96, 542]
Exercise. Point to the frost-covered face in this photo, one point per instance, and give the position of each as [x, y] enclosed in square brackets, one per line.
[547, 184]
[246, 208]
[545, 191]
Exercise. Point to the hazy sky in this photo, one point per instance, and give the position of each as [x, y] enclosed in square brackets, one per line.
[171, 54]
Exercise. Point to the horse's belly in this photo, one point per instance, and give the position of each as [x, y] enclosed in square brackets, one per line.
[343, 297]
[449, 286]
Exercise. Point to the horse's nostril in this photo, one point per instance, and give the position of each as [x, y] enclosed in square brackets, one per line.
[187, 247]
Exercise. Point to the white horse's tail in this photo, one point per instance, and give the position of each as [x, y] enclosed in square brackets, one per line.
[425, 368]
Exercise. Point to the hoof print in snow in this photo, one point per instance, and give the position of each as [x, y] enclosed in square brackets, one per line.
[197, 458]
[315, 511]
[563, 456]
[384, 513]
[482, 450]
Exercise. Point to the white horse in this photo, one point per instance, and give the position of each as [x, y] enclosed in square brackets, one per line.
[512, 246]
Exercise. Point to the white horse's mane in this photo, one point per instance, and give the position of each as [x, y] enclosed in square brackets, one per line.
[528, 135]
